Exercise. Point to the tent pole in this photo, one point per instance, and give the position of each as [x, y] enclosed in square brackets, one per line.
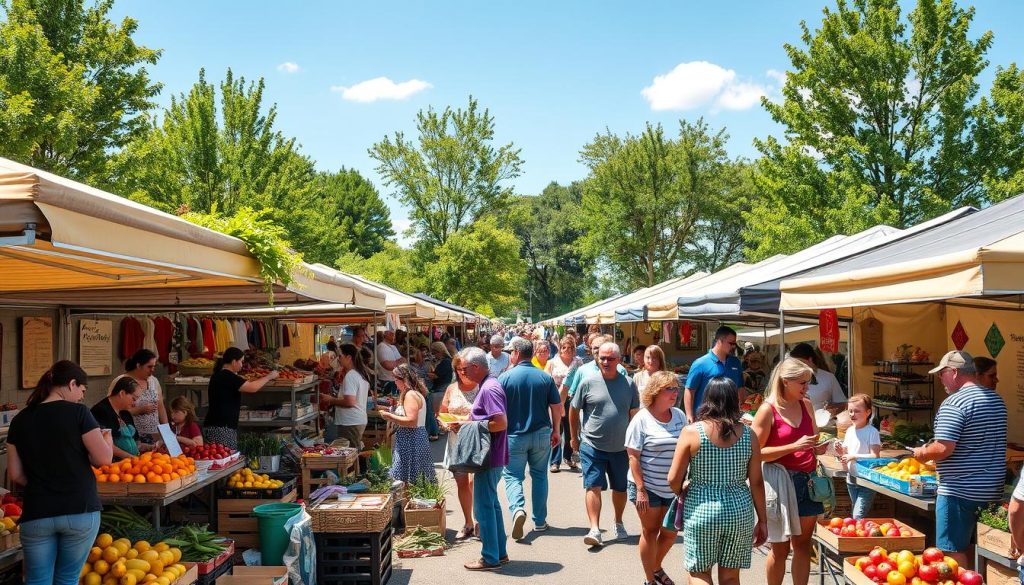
[782, 335]
[849, 357]
[64, 333]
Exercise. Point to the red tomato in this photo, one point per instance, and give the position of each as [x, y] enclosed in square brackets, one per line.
[932, 555]
[970, 578]
[849, 522]
[928, 573]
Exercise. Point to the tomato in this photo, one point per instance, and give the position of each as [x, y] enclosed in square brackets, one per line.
[932, 555]
[885, 567]
[928, 573]
[894, 532]
[836, 531]
[849, 522]
[953, 565]
[907, 568]
[905, 556]
[895, 578]
[877, 555]
[862, 562]
[870, 571]
[970, 578]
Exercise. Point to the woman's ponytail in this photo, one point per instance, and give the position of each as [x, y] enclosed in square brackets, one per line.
[60, 374]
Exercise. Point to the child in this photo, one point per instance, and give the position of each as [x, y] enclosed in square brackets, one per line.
[183, 422]
[862, 441]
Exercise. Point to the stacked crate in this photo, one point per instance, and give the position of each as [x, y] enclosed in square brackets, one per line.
[354, 558]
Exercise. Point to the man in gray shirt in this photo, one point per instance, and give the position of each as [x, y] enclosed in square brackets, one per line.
[607, 401]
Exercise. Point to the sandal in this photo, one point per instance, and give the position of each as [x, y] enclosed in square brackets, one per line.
[480, 565]
[464, 533]
[662, 579]
[555, 469]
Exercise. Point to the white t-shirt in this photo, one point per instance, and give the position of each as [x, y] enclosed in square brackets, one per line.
[859, 442]
[353, 385]
[497, 365]
[386, 353]
[1018, 492]
[656, 442]
[826, 390]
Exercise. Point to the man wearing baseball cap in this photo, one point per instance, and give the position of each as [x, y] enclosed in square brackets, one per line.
[969, 451]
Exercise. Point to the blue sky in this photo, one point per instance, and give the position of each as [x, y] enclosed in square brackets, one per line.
[553, 74]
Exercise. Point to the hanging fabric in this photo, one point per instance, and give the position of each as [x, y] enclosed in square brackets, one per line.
[209, 341]
[163, 333]
[685, 332]
[149, 338]
[132, 337]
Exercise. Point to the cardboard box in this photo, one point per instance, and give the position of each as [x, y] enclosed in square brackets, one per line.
[255, 576]
[913, 542]
[996, 574]
[995, 540]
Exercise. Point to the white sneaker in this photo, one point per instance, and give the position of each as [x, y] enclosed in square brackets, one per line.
[518, 521]
[540, 527]
[593, 538]
[620, 532]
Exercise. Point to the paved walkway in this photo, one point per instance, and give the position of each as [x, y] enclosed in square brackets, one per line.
[557, 556]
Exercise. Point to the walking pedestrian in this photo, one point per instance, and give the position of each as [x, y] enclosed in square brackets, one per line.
[489, 406]
[411, 448]
[534, 411]
[558, 368]
[497, 359]
[719, 361]
[721, 458]
[650, 443]
[653, 361]
[458, 400]
[600, 412]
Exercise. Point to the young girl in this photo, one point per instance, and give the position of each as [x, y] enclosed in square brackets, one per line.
[862, 441]
[183, 422]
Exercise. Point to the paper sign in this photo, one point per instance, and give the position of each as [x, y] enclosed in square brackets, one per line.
[36, 349]
[95, 347]
[170, 440]
[828, 326]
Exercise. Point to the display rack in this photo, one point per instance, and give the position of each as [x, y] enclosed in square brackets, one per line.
[905, 382]
[198, 391]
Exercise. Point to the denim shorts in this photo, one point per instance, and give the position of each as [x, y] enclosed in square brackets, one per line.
[805, 505]
[598, 464]
[653, 499]
[955, 519]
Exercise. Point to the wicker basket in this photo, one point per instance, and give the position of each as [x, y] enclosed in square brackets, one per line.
[195, 370]
[335, 516]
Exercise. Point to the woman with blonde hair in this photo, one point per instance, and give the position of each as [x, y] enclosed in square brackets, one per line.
[558, 368]
[650, 443]
[458, 400]
[654, 361]
[788, 435]
[411, 450]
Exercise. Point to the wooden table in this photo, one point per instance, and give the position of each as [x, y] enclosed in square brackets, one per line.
[344, 466]
[927, 504]
[158, 503]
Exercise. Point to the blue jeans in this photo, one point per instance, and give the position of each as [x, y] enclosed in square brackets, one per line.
[563, 450]
[533, 449]
[431, 422]
[954, 522]
[487, 510]
[56, 548]
[861, 497]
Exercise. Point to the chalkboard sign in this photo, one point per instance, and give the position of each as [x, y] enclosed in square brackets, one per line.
[872, 348]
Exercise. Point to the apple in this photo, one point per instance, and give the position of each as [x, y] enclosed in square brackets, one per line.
[836, 531]
[885, 567]
[861, 533]
[849, 522]
[885, 527]
[944, 570]
[835, 523]
[932, 555]
[849, 531]
[970, 578]
[894, 532]
[952, 563]
[875, 532]
[877, 555]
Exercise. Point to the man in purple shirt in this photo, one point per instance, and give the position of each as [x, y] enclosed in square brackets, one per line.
[489, 406]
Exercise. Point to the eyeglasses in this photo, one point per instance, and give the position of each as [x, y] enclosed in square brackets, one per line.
[607, 359]
[673, 388]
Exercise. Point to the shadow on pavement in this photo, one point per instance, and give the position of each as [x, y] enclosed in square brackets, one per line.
[529, 568]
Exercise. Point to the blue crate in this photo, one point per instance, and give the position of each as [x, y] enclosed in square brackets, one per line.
[865, 469]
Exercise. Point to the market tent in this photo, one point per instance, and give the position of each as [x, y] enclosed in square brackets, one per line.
[604, 314]
[70, 244]
[723, 298]
[764, 297]
[769, 337]
[468, 315]
[977, 259]
[661, 306]
[570, 317]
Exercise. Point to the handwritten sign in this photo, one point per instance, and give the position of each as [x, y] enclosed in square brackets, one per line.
[95, 347]
[36, 349]
[871, 346]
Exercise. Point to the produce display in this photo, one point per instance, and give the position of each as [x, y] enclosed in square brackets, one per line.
[848, 527]
[207, 452]
[245, 478]
[197, 362]
[752, 403]
[903, 567]
[285, 373]
[149, 467]
[197, 544]
[911, 434]
[903, 469]
[122, 562]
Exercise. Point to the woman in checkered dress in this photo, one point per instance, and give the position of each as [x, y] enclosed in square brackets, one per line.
[718, 455]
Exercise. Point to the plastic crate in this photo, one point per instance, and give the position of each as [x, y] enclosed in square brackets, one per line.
[354, 558]
[866, 470]
[221, 570]
[259, 493]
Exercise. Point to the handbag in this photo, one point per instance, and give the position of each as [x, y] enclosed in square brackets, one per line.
[472, 451]
[820, 487]
[674, 516]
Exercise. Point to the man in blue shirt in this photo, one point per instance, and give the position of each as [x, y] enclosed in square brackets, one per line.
[534, 413]
[718, 362]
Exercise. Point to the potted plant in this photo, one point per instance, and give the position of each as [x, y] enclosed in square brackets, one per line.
[994, 530]
[425, 505]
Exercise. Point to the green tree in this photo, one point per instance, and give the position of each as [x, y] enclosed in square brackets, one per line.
[881, 124]
[718, 239]
[393, 265]
[452, 175]
[73, 86]
[644, 197]
[558, 274]
[363, 219]
[999, 132]
[479, 267]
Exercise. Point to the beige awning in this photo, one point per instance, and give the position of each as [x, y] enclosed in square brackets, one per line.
[662, 306]
[95, 249]
[604, 314]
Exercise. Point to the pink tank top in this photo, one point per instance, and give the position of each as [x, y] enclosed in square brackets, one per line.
[784, 433]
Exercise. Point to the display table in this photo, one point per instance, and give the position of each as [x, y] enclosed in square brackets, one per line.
[830, 562]
[158, 503]
[926, 504]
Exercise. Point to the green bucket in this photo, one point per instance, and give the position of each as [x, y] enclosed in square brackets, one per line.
[271, 519]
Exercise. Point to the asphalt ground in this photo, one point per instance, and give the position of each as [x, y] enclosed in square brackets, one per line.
[557, 556]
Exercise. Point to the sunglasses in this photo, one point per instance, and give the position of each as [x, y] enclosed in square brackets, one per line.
[607, 359]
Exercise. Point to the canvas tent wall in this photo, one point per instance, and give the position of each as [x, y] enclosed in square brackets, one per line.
[661, 306]
[604, 313]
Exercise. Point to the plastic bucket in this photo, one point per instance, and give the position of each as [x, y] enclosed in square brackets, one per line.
[271, 519]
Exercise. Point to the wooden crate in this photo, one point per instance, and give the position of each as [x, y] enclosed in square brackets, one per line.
[847, 544]
[432, 520]
[996, 574]
[154, 489]
[190, 576]
[343, 466]
[105, 488]
[235, 519]
[853, 575]
[995, 540]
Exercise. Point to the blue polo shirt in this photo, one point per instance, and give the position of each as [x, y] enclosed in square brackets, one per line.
[709, 366]
[529, 393]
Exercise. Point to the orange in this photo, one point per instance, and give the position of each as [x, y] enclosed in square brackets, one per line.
[114, 478]
[140, 478]
[104, 540]
[135, 470]
[95, 554]
[102, 478]
[127, 478]
[166, 477]
[152, 477]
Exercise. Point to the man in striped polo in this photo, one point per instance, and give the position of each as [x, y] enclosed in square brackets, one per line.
[969, 451]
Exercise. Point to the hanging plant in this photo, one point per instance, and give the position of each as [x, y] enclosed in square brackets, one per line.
[263, 239]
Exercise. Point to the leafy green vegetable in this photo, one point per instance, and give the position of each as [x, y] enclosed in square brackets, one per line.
[425, 489]
[995, 516]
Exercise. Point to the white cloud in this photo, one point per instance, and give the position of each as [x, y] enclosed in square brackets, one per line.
[288, 67]
[381, 88]
[699, 84]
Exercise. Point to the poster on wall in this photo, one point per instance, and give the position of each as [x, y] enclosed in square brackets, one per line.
[998, 335]
[36, 349]
[871, 342]
[95, 347]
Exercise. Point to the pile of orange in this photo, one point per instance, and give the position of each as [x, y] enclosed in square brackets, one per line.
[119, 562]
[149, 467]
